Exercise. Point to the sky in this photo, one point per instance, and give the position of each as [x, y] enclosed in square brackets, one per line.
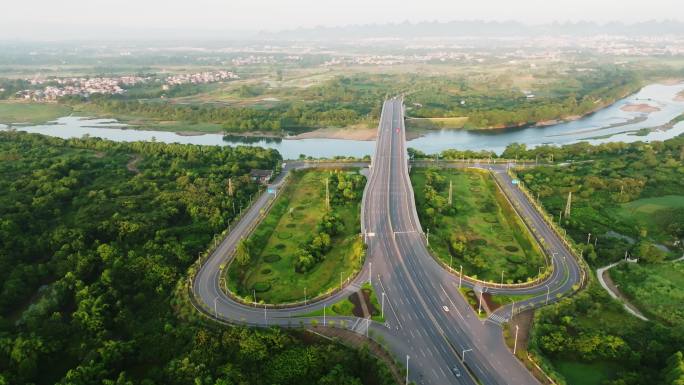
[52, 19]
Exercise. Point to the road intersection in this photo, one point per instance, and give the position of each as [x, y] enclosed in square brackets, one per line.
[428, 323]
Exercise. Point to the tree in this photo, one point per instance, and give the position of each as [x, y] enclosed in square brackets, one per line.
[242, 253]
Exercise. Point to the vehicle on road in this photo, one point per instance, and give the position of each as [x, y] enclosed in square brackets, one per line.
[446, 309]
[457, 371]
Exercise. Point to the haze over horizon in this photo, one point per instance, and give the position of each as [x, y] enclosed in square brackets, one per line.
[176, 19]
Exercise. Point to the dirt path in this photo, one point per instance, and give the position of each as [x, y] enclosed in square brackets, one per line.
[132, 165]
[611, 288]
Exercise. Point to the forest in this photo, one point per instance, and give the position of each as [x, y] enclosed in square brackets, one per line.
[94, 238]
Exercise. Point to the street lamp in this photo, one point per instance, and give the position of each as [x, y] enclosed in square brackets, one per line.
[215, 309]
[407, 368]
[548, 291]
[463, 354]
[460, 278]
[382, 306]
[502, 274]
[515, 343]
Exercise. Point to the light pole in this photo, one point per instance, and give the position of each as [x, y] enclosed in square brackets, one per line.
[323, 314]
[460, 278]
[515, 343]
[548, 291]
[215, 309]
[588, 238]
[451, 261]
[382, 306]
[254, 296]
[479, 309]
[370, 271]
[305, 295]
[502, 274]
[407, 368]
[463, 354]
[427, 238]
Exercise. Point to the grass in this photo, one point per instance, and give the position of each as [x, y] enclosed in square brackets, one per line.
[581, 373]
[496, 239]
[657, 289]
[293, 219]
[646, 212]
[25, 112]
[503, 299]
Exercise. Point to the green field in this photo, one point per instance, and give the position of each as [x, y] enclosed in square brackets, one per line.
[436, 123]
[291, 223]
[480, 231]
[656, 289]
[20, 112]
[580, 373]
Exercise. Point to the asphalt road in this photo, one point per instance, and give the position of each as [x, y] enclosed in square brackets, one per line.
[426, 318]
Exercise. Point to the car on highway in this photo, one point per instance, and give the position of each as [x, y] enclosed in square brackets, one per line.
[446, 309]
[457, 371]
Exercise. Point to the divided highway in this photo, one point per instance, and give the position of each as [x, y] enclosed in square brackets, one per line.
[428, 323]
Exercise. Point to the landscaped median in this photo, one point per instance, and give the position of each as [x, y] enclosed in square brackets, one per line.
[477, 228]
[307, 245]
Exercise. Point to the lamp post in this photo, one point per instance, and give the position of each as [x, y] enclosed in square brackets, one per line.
[407, 368]
[463, 354]
[460, 278]
[515, 343]
[215, 309]
[382, 306]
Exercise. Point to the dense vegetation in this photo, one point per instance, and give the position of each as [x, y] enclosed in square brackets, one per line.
[627, 195]
[595, 334]
[91, 249]
[301, 245]
[479, 230]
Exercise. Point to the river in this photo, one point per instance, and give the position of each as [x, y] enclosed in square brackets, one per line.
[610, 124]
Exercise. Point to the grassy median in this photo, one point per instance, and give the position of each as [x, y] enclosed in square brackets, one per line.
[479, 229]
[301, 247]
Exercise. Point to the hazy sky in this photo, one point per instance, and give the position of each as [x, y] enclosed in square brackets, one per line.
[55, 18]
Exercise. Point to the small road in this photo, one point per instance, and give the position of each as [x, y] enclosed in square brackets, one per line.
[428, 323]
[611, 288]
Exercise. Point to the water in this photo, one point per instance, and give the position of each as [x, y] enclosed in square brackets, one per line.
[608, 125]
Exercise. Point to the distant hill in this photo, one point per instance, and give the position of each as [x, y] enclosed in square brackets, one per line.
[477, 28]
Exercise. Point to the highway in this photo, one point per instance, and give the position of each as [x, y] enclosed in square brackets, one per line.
[427, 320]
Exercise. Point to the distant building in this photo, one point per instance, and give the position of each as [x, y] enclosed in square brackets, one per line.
[261, 176]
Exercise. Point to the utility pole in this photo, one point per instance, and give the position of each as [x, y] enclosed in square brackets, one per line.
[254, 296]
[382, 306]
[515, 343]
[323, 314]
[427, 238]
[215, 310]
[450, 193]
[460, 278]
[304, 295]
[568, 204]
[407, 369]
[502, 274]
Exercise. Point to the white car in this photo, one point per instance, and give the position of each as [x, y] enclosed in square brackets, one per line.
[446, 309]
